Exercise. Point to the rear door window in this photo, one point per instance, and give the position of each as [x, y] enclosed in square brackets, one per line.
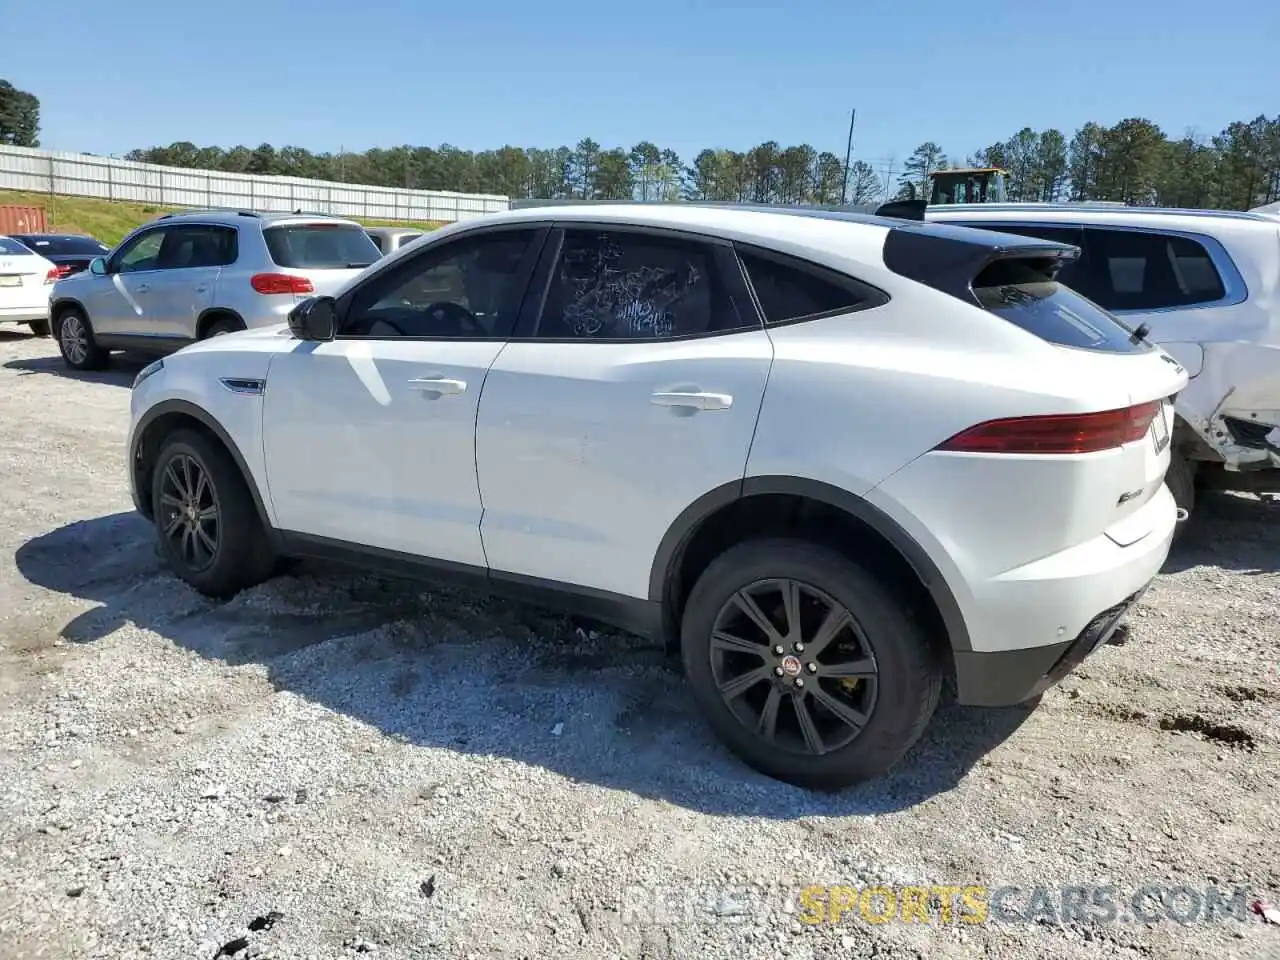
[1022, 292]
[1137, 270]
[789, 290]
[320, 246]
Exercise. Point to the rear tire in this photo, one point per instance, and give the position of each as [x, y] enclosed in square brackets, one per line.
[207, 525]
[39, 328]
[868, 691]
[221, 326]
[1181, 481]
[79, 349]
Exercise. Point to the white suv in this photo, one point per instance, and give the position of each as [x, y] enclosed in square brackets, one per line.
[1205, 284]
[836, 458]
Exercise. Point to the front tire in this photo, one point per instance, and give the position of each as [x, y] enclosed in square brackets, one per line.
[39, 328]
[207, 526]
[808, 667]
[79, 349]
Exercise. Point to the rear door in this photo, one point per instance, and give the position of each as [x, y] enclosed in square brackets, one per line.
[631, 389]
[191, 259]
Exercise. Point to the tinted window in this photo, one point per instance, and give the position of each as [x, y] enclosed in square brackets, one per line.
[468, 289]
[1150, 271]
[616, 285]
[12, 247]
[320, 246]
[792, 291]
[142, 253]
[1021, 292]
[377, 241]
[198, 246]
[65, 246]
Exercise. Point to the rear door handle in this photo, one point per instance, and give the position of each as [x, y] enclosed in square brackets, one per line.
[142, 287]
[693, 400]
[440, 386]
[202, 288]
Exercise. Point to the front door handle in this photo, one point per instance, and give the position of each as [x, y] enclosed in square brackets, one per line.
[439, 386]
[693, 400]
[202, 288]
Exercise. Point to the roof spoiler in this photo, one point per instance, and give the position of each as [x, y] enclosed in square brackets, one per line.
[902, 209]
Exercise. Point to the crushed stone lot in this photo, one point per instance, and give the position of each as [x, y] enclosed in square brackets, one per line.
[336, 764]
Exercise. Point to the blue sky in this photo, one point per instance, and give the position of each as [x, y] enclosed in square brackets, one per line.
[329, 73]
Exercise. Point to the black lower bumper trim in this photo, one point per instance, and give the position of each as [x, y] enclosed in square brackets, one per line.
[1010, 677]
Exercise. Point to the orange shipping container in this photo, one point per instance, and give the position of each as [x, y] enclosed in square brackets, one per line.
[15, 219]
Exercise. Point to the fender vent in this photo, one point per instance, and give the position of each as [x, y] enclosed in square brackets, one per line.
[238, 385]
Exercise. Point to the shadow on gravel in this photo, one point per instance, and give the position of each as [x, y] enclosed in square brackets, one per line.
[1234, 532]
[453, 669]
[120, 371]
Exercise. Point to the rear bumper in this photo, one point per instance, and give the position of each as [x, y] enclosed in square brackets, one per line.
[24, 314]
[1013, 676]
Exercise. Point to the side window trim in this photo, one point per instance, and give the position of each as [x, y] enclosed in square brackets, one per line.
[721, 251]
[1235, 290]
[875, 297]
[404, 267]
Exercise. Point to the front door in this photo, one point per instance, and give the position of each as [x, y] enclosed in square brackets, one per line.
[370, 438]
[120, 301]
[633, 393]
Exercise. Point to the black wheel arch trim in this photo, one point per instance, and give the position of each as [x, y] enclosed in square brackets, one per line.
[206, 313]
[682, 530]
[207, 420]
[63, 302]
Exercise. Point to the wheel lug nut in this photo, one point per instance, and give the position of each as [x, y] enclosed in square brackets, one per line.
[778, 651]
[799, 648]
[813, 668]
[799, 681]
[778, 671]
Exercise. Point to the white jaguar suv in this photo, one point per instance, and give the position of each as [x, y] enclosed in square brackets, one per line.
[835, 458]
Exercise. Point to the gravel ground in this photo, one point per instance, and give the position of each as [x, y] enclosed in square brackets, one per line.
[351, 764]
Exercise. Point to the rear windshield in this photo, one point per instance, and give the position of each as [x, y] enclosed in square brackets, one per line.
[12, 246]
[66, 246]
[1022, 292]
[320, 246]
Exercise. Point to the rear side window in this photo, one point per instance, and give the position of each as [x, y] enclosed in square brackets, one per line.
[1022, 292]
[377, 241]
[320, 246]
[789, 290]
[198, 246]
[12, 247]
[1132, 270]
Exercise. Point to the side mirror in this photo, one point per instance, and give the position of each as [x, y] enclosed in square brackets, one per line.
[315, 318]
[98, 266]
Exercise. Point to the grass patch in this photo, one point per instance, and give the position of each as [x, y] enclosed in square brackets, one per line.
[110, 220]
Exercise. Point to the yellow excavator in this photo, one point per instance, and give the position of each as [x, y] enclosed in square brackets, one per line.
[967, 185]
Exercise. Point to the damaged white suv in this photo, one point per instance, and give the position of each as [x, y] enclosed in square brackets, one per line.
[833, 458]
[1205, 285]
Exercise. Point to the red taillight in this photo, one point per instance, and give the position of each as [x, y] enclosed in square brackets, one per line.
[55, 274]
[1064, 433]
[280, 283]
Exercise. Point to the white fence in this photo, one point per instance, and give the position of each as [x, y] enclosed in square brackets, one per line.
[86, 175]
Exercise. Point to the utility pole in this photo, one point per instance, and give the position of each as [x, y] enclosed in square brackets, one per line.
[848, 152]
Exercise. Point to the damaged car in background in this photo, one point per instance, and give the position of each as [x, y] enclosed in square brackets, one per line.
[1205, 286]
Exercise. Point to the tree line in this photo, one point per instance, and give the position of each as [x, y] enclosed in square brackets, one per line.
[1133, 161]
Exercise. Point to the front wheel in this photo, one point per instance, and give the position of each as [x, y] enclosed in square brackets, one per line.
[207, 526]
[79, 349]
[807, 665]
